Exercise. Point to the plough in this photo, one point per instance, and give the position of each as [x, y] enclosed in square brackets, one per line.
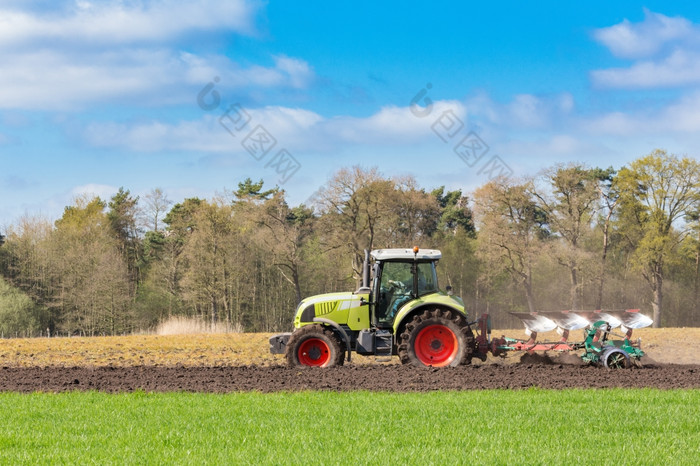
[598, 348]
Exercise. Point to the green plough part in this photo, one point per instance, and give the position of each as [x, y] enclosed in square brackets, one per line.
[609, 353]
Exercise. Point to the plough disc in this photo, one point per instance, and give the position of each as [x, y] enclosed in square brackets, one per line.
[611, 317]
[535, 322]
[567, 320]
[633, 319]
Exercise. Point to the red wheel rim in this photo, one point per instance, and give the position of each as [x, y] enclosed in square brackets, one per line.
[436, 345]
[314, 352]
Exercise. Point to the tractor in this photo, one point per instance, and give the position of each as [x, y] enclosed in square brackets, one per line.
[400, 311]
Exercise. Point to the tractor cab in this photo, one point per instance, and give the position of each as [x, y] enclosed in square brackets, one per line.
[399, 276]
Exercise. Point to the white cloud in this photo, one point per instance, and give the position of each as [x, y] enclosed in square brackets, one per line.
[126, 52]
[681, 117]
[299, 73]
[615, 123]
[542, 130]
[294, 129]
[647, 38]
[524, 111]
[530, 130]
[156, 136]
[50, 80]
[526, 132]
[680, 68]
[526, 126]
[392, 124]
[59, 80]
[665, 53]
[286, 72]
[118, 22]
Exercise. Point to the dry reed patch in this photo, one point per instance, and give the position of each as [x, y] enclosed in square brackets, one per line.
[177, 325]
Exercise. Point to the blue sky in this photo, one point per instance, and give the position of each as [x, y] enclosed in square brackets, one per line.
[95, 95]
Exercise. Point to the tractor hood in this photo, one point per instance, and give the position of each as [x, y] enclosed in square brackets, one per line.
[343, 308]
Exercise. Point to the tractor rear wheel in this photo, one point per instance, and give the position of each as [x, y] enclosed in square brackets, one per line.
[615, 358]
[437, 338]
[315, 346]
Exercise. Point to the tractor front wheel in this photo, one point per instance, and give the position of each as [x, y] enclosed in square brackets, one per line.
[437, 338]
[615, 358]
[315, 346]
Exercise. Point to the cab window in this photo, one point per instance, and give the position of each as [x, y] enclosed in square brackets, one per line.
[427, 280]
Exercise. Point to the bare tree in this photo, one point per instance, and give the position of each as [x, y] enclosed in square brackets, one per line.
[155, 206]
[355, 205]
[569, 198]
[610, 198]
[208, 251]
[283, 231]
[93, 290]
[511, 230]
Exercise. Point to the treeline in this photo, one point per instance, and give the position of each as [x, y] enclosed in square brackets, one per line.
[572, 237]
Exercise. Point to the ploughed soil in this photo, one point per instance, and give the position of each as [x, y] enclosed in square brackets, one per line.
[532, 371]
[241, 362]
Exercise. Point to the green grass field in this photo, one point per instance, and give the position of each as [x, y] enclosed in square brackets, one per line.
[493, 427]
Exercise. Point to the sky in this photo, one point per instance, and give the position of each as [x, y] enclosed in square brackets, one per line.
[194, 96]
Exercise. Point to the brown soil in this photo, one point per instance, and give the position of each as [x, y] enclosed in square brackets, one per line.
[548, 373]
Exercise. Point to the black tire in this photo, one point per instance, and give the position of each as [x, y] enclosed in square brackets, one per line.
[615, 358]
[436, 337]
[315, 346]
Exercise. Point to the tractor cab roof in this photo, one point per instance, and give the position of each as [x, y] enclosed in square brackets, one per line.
[406, 254]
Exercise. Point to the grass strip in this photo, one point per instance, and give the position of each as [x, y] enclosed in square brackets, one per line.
[641, 426]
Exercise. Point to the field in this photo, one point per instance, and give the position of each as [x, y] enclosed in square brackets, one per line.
[672, 345]
[222, 399]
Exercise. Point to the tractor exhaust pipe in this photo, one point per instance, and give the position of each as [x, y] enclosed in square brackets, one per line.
[365, 270]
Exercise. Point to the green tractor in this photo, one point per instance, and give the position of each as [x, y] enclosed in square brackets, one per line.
[397, 310]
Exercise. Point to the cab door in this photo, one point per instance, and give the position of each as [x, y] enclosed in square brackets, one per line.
[394, 288]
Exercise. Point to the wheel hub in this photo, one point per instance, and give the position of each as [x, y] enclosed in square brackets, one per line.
[314, 353]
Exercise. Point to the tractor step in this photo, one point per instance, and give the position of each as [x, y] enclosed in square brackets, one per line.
[383, 345]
